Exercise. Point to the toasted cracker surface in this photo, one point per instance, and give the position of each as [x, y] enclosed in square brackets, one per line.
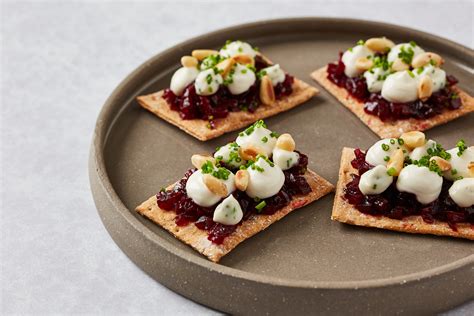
[197, 238]
[235, 120]
[346, 213]
[396, 128]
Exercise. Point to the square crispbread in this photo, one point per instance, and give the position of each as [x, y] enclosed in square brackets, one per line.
[346, 213]
[396, 128]
[235, 120]
[197, 238]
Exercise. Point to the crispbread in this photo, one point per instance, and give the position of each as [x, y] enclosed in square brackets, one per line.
[396, 128]
[346, 213]
[197, 238]
[199, 128]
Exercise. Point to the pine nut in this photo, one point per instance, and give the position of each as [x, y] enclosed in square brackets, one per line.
[285, 142]
[425, 88]
[242, 180]
[396, 161]
[200, 54]
[363, 63]
[188, 61]
[249, 152]
[244, 59]
[225, 66]
[198, 160]
[425, 58]
[470, 167]
[399, 65]
[267, 93]
[379, 44]
[443, 164]
[413, 139]
[215, 185]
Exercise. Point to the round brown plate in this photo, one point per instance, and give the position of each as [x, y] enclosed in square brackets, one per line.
[304, 263]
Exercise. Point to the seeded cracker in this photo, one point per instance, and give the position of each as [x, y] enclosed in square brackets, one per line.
[396, 128]
[346, 213]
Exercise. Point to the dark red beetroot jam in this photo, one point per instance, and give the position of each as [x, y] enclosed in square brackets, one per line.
[375, 104]
[395, 204]
[193, 106]
[189, 212]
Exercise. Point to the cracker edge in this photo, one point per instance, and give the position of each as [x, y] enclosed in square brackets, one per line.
[346, 213]
[391, 129]
[197, 238]
[235, 120]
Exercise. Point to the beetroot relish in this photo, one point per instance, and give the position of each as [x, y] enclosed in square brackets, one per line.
[193, 106]
[397, 205]
[375, 104]
[188, 212]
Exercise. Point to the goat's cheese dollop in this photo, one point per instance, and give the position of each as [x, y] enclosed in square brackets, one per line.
[275, 73]
[460, 164]
[265, 179]
[242, 79]
[208, 82]
[229, 154]
[236, 48]
[420, 181]
[381, 151]
[182, 78]
[400, 87]
[436, 74]
[259, 137]
[375, 180]
[285, 159]
[228, 212]
[462, 192]
[375, 78]
[404, 48]
[199, 192]
[350, 57]
[418, 152]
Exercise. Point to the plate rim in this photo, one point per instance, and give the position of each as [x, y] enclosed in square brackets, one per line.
[109, 113]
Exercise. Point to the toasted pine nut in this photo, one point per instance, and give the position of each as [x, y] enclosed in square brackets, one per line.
[265, 59]
[470, 167]
[215, 185]
[425, 58]
[425, 88]
[413, 139]
[249, 152]
[244, 59]
[379, 44]
[200, 54]
[396, 161]
[399, 65]
[198, 160]
[188, 61]
[363, 63]
[443, 164]
[241, 180]
[267, 93]
[285, 142]
[225, 66]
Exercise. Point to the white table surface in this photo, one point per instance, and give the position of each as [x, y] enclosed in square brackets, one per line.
[59, 62]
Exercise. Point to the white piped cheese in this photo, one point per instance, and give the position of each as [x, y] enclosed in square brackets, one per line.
[420, 181]
[275, 73]
[462, 192]
[418, 152]
[242, 79]
[237, 47]
[200, 194]
[396, 50]
[260, 137]
[376, 155]
[285, 159]
[436, 74]
[375, 79]
[228, 212]
[375, 180]
[459, 164]
[264, 180]
[400, 87]
[182, 78]
[230, 155]
[208, 82]
[350, 57]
